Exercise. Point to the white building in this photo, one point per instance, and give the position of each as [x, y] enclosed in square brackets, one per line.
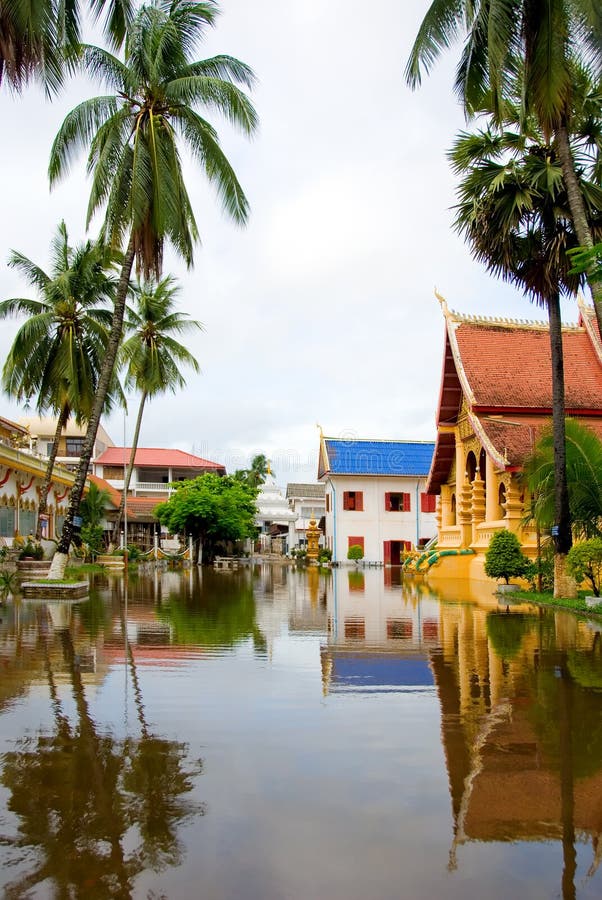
[376, 497]
[275, 519]
[307, 501]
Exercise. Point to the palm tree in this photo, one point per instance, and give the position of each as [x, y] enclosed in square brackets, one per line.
[503, 36]
[57, 353]
[514, 213]
[584, 478]
[135, 162]
[41, 37]
[152, 354]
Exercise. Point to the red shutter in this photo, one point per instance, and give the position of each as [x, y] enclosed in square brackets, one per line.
[345, 499]
[359, 501]
[387, 552]
[355, 540]
[424, 503]
[406, 502]
[388, 502]
[407, 545]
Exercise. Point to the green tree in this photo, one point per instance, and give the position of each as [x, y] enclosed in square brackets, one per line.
[355, 552]
[212, 509]
[42, 37]
[585, 563]
[504, 557]
[152, 355]
[584, 479]
[513, 211]
[57, 354]
[503, 36]
[134, 158]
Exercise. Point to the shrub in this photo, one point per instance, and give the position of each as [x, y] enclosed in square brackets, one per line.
[325, 555]
[32, 551]
[584, 563]
[92, 536]
[504, 557]
[356, 551]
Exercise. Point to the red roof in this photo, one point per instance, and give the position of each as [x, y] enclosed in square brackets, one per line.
[155, 457]
[502, 371]
[114, 495]
[510, 367]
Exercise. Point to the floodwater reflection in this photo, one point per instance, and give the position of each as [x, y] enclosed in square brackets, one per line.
[272, 732]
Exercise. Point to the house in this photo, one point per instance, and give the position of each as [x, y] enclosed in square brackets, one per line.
[495, 397]
[274, 519]
[22, 474]
[154, 471]
[376, 497]
[41, 433]
[307, 502]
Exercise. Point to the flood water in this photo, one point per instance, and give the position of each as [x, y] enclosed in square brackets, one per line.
[274, 734]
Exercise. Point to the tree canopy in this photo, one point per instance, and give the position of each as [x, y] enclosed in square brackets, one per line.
[212, 509]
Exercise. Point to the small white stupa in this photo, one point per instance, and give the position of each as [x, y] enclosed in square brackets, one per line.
[275, 519]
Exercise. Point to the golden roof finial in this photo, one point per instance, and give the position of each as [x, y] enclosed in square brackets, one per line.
[443, 303]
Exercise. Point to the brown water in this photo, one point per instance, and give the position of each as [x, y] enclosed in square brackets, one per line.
[281, 735]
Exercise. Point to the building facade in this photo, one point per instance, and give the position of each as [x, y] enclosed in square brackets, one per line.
[307, 501]
[495, 399]
[375, 497]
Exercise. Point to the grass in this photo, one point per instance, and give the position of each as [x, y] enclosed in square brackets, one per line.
[546, 598]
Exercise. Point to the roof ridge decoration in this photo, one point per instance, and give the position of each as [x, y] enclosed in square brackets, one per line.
[588, 318]
[501, 321]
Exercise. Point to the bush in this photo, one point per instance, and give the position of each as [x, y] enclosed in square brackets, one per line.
[584, 563]
[93, 537]
[505, 558]
[325, 555]
[32, 551]
[356, 551]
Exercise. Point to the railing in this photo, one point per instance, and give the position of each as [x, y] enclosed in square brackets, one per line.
[449, 536]
[142, 486]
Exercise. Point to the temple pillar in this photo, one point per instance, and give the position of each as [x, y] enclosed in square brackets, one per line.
[514, 508]
[478, 504]
[464, 508]
[491, 499]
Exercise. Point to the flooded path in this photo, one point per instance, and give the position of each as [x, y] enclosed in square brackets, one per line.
[287, 735]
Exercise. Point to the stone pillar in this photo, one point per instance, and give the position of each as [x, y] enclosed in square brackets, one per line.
[514, 508]
[478, 504]
[464, 513]
[491, 500]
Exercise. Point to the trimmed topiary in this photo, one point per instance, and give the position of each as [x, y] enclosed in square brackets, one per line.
[505, 558]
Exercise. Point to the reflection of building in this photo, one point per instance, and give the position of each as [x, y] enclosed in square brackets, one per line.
[378, 638]
[22, 474]
[307, 501]
[518, 713]
[376, 497]
[496, 395]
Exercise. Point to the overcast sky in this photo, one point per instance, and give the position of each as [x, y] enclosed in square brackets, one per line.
[322, 310]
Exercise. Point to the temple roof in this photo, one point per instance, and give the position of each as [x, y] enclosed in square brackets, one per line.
[501, 369]
[370, 457]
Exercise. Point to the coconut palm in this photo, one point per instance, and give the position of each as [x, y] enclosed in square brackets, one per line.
[134, 158]
[584, 479]
[503, 36]
[41, 37]
[152, 355]
[513, 211]
[57, 354]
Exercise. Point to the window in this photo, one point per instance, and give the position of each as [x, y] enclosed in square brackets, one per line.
[27, 521]
[74, 446]
[428, 503]
[113, 473]
[356, 540]
[397, 502]
[7, 521]
[353, 500]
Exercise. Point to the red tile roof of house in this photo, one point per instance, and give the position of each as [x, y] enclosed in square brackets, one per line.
[114, 495]
[156, 457]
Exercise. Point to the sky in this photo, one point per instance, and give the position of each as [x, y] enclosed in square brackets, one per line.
[322, 310]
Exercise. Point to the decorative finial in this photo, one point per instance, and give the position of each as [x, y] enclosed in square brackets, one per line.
[443, 303]
[269, 469]
[319, 427]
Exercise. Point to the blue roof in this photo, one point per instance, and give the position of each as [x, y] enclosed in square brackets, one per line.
[374, 673]
[347, 457]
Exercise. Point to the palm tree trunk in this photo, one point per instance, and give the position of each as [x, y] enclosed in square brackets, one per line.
[578, 212]
[563, 539]
[130, 468]
[43, 504]
[59, 561]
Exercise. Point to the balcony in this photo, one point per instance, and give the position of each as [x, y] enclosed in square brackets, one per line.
[142, 487]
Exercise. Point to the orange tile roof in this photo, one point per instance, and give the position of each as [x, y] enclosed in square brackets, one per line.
[509, 367]
[114, 495]
[153, 456]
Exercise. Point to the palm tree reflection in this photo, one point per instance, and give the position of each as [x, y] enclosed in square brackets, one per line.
[95, 811]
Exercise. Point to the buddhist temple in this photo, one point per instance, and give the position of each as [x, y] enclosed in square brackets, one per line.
[495, 398]
[274, 518]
